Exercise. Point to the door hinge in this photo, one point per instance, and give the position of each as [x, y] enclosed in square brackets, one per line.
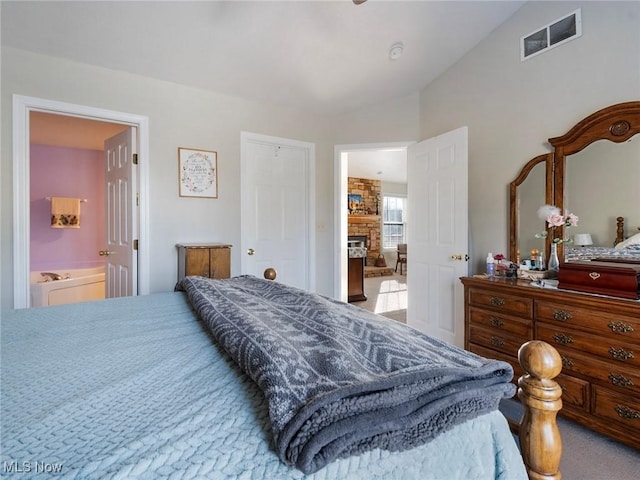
[135, 158]
[135, 244]
[137, 199]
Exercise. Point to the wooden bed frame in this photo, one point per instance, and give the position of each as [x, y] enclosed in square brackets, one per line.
[540, 442]
[620, 230]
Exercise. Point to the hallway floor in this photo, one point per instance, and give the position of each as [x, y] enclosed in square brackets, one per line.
[386, 295]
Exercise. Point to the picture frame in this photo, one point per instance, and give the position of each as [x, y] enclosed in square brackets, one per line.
[354, 202]
[197, 173]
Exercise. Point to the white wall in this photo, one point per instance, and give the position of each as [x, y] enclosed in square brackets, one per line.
[392, 121]
[190, 117]
[392, 188]
[513, 107]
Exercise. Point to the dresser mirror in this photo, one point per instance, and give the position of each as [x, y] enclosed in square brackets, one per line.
[603, 142]
[531, 189]
[602, 182]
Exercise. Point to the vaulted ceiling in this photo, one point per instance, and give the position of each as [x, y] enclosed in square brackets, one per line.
[327, 57]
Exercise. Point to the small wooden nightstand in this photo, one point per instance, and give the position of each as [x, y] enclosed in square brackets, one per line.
[211, 260]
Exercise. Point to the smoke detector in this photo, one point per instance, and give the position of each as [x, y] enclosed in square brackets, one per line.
[395, 52]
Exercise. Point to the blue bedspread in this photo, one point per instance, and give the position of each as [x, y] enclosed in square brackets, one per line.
[135, 388]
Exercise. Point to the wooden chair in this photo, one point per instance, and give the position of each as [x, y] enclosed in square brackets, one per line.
[402, 256]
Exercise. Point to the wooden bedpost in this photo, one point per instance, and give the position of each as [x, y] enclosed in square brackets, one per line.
[270, 273]
[540, 441]
[619, 230]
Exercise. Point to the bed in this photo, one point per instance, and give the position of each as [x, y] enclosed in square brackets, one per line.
[152, 387]
[626, 249]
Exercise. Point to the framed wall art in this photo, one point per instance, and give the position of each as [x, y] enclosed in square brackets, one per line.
[198, 170]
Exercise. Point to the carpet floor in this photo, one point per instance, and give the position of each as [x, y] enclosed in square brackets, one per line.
[587, 455]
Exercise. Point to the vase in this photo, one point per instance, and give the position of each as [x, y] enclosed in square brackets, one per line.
[554, 264]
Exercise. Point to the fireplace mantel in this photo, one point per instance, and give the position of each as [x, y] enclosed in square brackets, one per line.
[354, 218]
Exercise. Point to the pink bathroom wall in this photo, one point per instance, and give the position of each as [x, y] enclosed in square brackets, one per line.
[67, 172]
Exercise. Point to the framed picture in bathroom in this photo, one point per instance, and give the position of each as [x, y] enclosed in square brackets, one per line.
[198, 173]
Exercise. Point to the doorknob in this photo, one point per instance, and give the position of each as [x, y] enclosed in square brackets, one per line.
[456, 257]
[250, 251]
[105, 253]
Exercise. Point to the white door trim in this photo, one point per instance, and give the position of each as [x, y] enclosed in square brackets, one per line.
[22, 106]
[310, 213]
[340, 209]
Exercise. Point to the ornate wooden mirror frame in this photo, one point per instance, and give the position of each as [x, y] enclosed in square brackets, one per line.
[616, 123]
[514, 210]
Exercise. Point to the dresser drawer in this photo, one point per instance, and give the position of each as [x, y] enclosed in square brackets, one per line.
[622, 409]
[602, 323]
[498, 301]
[606, 347]
[626, 379]
[500, 323]
[574, 391]
[502, 342]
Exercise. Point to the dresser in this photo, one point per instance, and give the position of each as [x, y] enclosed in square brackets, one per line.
[597, 337]
[211, 260]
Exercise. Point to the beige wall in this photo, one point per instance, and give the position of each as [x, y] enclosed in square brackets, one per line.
[185, 116]
[512, 107]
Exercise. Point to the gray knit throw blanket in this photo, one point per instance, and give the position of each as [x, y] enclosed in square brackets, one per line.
[339, 380]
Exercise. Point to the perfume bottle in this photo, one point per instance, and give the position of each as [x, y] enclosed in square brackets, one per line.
[491, 265]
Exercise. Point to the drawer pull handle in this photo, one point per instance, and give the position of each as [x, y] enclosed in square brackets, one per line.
[496, 301]
[628, 413]
[620, 353]
[562, 339]
[496, 322]
[562, 315]
[620, 380]
[566, 362]
[497, 342]
[620, 327]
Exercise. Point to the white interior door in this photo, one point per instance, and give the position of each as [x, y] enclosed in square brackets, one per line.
[437, 235]
[122, 227]
[278, 209]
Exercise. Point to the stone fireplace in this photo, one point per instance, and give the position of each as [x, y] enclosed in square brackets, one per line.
[366, 223]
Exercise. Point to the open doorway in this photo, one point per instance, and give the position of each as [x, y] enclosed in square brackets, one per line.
[437, 230]
[67, 171]
[23, 107]
[380, 169]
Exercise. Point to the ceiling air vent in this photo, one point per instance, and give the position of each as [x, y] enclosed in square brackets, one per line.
[556, 33]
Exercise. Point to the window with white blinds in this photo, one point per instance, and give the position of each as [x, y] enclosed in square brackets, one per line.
[393, 221]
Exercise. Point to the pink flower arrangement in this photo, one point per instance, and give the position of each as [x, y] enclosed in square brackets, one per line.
[554, 218]
[501, 268]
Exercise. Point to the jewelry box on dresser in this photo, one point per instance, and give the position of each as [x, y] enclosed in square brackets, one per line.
[598, 338]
